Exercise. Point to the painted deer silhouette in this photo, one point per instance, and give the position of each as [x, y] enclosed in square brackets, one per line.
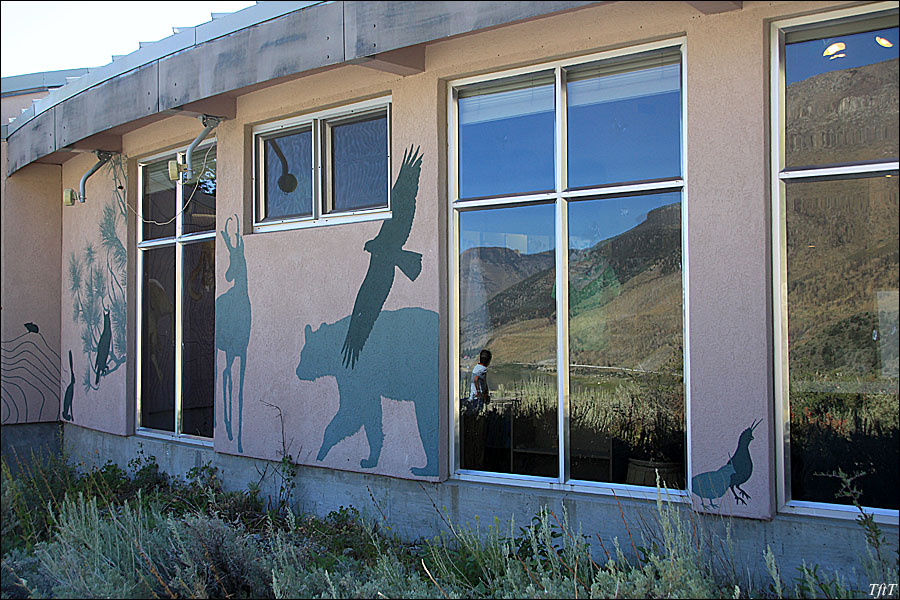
[233, 326]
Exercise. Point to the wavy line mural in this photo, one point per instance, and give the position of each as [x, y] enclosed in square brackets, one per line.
[233, 327]
[375, 353]
[97, 285]
[30, 378]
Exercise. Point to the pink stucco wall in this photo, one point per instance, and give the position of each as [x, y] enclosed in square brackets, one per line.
[30, 226]
[91, 284]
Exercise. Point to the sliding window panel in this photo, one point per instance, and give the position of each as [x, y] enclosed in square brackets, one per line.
[842, 295]
[507, 276]
[158, 339]
[199, 339]
[357, 163]
[288, 190]
[626, 385]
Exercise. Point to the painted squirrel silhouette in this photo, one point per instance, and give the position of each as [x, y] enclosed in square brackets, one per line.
[101, 366]
[713, 484]
[70, 391]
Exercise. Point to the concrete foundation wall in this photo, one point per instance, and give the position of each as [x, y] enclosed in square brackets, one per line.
[417, 509]
[26, 444]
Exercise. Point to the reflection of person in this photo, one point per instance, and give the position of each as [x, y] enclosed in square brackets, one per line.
[479, 394]
[474, 423]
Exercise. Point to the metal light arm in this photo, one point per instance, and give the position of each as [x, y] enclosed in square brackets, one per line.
[102, 159]
[209, 123]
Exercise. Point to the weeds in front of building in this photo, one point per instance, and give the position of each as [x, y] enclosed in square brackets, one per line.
[105, 532]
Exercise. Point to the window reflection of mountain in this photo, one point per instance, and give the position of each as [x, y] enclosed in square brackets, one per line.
[652, 246]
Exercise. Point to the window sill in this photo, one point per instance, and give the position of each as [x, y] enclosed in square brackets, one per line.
[883, 516]
[380, 214]
[173, 437]
[585, 487]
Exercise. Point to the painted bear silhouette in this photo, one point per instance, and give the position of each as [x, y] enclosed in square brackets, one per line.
[400, 362]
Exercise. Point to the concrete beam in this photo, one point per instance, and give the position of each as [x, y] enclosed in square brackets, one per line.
[404, 61]
[376, 27]
[128, 97]
[100, 141]
[40, 141]
[217, 106]
[712, 8]
[297, 42]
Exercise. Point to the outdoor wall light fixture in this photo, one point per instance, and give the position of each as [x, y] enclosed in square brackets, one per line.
[186, 171]
[69, 195]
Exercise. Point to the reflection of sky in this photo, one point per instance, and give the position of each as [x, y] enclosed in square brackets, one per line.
[805, 59]
[528, 229]
[625, 126]
[592, 221]
[297, 149]
[506, 143]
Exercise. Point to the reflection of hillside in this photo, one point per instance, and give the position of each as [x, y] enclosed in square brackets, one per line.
[842, 251]
[843, 116]
[493, 270]
[621, 299]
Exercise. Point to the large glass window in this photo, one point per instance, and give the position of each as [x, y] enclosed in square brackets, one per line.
[176, 259]
[574, 287]
[837, 261]
[330, 164]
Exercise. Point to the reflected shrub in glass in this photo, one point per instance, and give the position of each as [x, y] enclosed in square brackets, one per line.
[506, 280]
[842, 270]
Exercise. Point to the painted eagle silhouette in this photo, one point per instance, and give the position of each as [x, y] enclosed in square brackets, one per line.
[387, 252]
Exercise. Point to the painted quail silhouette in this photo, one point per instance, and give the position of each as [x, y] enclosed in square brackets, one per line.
[100, 366]
[713, 484]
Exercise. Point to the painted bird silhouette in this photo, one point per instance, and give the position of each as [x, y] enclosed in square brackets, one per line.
[70, 391]
[713, 484]
[387, 252]
[100, 366]
[32, 328]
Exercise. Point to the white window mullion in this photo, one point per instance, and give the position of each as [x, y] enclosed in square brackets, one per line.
[179, 299]
[562, 281]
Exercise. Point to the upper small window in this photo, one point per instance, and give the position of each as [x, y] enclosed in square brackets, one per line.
[333, 163]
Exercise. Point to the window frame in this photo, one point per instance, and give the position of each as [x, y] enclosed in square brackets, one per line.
[560, 198]
[780, 176]
[319, 123]
[178, 242]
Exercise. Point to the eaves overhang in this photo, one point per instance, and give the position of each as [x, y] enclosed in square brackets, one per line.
[203, 71]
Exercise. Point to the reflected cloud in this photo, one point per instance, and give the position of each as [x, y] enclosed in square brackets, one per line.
[832, 51]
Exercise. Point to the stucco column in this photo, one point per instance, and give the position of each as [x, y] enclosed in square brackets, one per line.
[728, 276]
